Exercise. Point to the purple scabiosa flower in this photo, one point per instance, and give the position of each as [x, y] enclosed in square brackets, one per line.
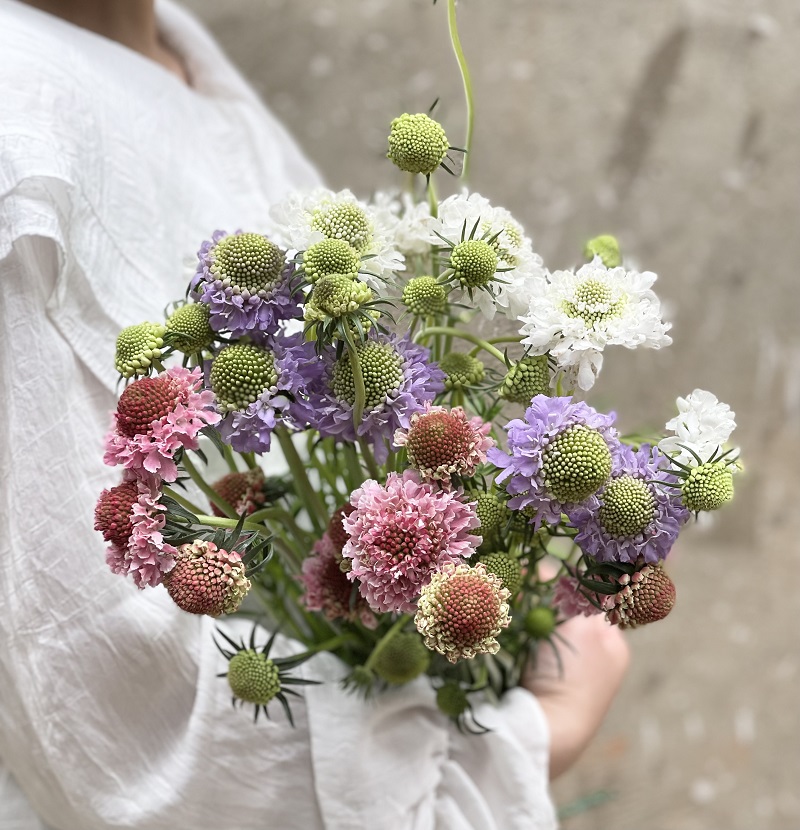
[257, 389]
[631, 515]
[246, 282]
[398, 378]
[558, 456]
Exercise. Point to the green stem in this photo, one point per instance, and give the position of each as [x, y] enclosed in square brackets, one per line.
[189, 505]
[329, 645]
[231, 461]
[358, 380]
[369, 458]
[433, 202]
[313, 504]
[250, 460]
[218, 521]
[354, 471]
[452, 23]
[464, 335]
[211, 494]
[386, 639]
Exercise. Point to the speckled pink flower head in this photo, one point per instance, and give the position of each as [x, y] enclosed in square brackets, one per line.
[442, 443]
[131, 517]
[570, 600]
[157, 416]
[401, 534]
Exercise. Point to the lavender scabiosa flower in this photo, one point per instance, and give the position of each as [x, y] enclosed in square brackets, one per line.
[631, 515]
[246, 282]
[399, 380]
[257, 389]
[558, 456]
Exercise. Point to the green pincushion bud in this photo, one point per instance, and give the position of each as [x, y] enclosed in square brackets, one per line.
[248, 263]
[607, 248]
[330, 256]
[137, 347]
[461, 370]
[491, 512]
[346, 221]
[253, 677]
[526, 379]
[336, 295]
[540, 622]
[188, 328]
[402, 659]
[240, 374]
[707, 487]
[627, 506]
[424, 296]
[576, 464]
[417, 143]
[507, 567]
[452, 700]
[381, 367]
[474, 263]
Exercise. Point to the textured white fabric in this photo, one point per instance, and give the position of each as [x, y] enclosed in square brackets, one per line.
[111, 172]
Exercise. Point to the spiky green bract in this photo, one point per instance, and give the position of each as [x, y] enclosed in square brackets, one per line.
[330, 256]
[576, 463]
[540, 622]
[417, 143]
[491, 512]
[424, 296]
[461, 370]
[137, 347]
[253, 677]
[240, 374]
[526, 379]
[507, 567]
[708, 486]
[474, 263]
[361, 681]
[188, 328]
[403, 658]
[607, 248]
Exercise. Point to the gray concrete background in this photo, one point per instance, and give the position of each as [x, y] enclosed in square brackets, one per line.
[676, 126]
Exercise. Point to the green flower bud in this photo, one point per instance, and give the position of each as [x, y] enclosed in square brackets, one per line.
[707, 487]
[417, 143]
[526, 379]
[424, 296]
[507, 567]
[336, 295]
[576, 464]
[240, 374]
[461, 370]
[607, 248]
[627, 507]
[474, 263]
[492, 513]
[330, 256]
[137, 347]
[346, 221]
[381, 367]
[540, 622]
[253, 677]
[188, 328]
[402, 659]
[452, 700]
[247, 262]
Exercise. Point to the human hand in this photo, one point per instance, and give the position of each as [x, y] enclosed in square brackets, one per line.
[576, 695]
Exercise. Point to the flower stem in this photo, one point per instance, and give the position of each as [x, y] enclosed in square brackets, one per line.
[313, 504]
[184, 502]
[398, 626]
[211, 494]
[249, 459]
[358, 380]
[452, 23]
[328, 645]
[231, 461]
[369, 458]
[218, 521]
[464, 335]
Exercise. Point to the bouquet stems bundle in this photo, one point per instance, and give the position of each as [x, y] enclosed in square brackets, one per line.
[395, 478]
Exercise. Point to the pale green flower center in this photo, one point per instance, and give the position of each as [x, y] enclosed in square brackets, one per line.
[576, 464]
[593, 302]
[345, 221]
[627, 506]
[381, 367]
[247, 262]
[240, 374]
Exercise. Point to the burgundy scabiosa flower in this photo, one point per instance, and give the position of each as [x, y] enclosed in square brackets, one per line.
[243, 491]
[398, 379]
[462, 610]
[646, 595]
[631, 515]
[558, 456]
[571, 600]
[207, 579]
[157, 416]
[131, 517]
[401, 534]
[442, 443]
[246, 282]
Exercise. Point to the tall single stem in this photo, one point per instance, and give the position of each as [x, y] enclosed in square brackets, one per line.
[317, 511]
[465, 77]
[358, 380]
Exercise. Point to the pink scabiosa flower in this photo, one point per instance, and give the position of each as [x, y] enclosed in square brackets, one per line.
[462, 610]
[207, 579]
[131, 517]
[327, 587]
[401, 534]
[441, 444]
[571, 600]
[243, 491]
[157, 416]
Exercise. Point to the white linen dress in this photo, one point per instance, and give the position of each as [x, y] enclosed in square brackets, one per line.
[111, 174]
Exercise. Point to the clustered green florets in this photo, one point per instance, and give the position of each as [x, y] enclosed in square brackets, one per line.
[510, 237]
[189, 329]
[540, 622]
[707, 487]
[526, 379]
[461, 370]
[607, 248]
[253, 677]
[382, 368]
[330, 256]
[417, 143]
[137, 347]
[491, 512]
[507, 567]
[593, 303]
[452, 700]
[576, 464]
[336, 295]
[474, 263]
[240, 374]
[345, 221]
[248, 263]
[627, 506]
[402, 659]
[424, 296]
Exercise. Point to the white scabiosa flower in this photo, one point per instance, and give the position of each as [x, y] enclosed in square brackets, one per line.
[305, 219]
[702, 425]
[410, 221]
[518, 267]
[575, 315]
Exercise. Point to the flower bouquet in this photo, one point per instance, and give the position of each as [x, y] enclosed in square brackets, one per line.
[396, 478]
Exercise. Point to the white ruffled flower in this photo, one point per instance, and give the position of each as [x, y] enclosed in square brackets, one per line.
[304, 219]
[574, 316]
[513, 291]
[410, 220]
[703, 424]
